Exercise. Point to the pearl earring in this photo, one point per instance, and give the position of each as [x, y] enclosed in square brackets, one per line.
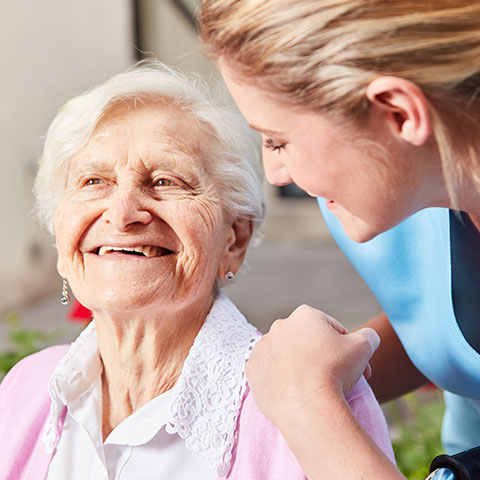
[229, 275]
[64, 298]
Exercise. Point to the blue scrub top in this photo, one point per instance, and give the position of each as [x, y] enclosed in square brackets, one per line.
[409, 271]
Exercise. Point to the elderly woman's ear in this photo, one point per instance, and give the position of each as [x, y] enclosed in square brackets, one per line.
[236, 245]
[60, 268]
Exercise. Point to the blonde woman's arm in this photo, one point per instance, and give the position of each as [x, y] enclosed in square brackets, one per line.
[393, 373]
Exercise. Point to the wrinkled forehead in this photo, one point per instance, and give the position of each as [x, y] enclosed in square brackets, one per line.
[159, 130]
[162, 120]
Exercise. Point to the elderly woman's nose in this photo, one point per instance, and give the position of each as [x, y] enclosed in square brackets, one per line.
[126, 208]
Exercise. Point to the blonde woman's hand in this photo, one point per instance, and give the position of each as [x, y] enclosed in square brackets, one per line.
[308, 355]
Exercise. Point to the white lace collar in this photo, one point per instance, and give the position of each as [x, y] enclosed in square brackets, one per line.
[209, 392]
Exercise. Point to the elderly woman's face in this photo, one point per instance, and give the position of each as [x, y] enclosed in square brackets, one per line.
[141, 220]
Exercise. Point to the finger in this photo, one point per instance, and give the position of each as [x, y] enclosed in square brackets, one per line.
[368, 372]
[372, 338]
[276, 325]
[336, 324]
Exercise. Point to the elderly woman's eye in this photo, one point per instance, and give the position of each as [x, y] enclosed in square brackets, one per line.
[94, 181]
[164, 182]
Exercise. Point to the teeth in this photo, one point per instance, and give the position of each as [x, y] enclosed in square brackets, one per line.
[147, 250]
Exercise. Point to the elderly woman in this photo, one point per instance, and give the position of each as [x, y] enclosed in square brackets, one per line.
[153, 193]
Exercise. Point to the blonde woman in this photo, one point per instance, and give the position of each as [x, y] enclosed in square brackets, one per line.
[372, 106]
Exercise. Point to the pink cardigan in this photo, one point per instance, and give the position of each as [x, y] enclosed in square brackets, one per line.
[260, 452]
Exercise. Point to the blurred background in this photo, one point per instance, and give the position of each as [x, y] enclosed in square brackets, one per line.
[55, 49]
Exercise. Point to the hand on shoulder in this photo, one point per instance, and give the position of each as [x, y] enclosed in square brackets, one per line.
[308, 355]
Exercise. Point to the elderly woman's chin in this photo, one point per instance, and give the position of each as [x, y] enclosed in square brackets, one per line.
[123, 299]
[120, 293]
[122, 288]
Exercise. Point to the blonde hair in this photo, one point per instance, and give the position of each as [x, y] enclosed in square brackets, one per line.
[232, 148]
[322, 54]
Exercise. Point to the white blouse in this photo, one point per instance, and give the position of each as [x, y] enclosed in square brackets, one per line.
[185, 433]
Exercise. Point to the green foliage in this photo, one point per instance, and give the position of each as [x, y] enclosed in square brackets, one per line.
[25, 341]
[415, 423]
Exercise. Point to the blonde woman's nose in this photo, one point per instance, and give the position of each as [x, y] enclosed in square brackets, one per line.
[125, 209]
[276, 172]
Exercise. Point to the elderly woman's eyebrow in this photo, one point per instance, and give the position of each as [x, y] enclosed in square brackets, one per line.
[81, 167]
[168, 159]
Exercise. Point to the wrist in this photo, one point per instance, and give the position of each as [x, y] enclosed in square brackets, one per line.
[300, 411]
[329, 442]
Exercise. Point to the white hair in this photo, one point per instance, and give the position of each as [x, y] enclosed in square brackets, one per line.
[234, 151]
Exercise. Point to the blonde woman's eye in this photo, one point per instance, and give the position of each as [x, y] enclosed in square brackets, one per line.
[164, 182]
[94, 181]
[273, 145]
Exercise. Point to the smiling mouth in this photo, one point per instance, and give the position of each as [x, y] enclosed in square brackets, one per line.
[141, 251]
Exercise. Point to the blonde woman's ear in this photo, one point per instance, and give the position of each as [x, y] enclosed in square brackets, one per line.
[404, 107]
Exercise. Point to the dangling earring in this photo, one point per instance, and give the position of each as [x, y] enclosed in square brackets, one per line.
[64, 298]
[229, 275]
